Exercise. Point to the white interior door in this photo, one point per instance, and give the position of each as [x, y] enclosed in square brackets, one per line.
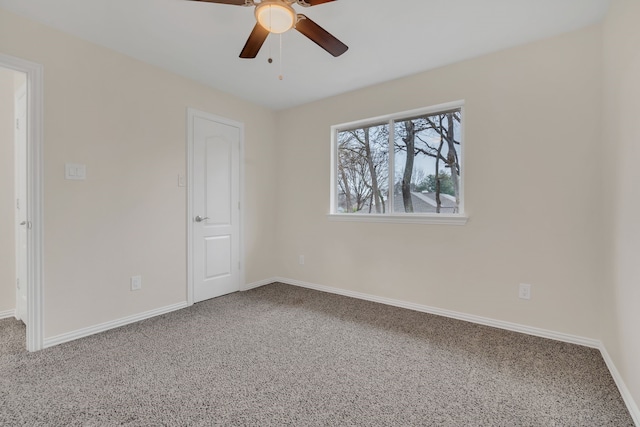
[33, 190]
[21, 202]
[215, 206]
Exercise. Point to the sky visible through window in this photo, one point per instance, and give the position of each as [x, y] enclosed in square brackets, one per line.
[418, 171]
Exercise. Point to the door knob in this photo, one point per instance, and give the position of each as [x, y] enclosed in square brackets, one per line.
[200, 219]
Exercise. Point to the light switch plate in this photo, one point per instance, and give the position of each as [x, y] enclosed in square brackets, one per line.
[136, 283]
[75, 171]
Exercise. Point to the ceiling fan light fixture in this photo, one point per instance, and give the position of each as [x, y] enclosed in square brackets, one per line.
[275, 17]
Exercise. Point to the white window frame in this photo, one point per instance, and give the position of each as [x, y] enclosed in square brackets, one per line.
[459, 218]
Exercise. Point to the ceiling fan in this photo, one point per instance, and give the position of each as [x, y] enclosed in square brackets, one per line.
[278, 16]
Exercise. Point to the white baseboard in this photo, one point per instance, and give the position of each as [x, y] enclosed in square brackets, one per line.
[85, 332]
[7, 313]
[544, 333]
[257, 284]
[622, 387]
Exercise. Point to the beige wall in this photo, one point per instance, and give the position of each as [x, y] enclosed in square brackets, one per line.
[532, 146]
[126, 121]
[621, 175]
[7, 231]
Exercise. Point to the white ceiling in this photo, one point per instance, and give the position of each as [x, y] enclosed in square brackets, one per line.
[387, 39]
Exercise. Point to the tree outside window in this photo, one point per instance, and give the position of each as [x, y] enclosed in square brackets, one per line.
[402, 165]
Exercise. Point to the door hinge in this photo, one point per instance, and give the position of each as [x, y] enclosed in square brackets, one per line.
[18, 124]
[18, 204]
[18, 283]
[238, 205]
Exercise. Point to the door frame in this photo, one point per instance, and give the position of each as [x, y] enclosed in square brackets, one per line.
[35, 108]
[192, 114]
[20, 187]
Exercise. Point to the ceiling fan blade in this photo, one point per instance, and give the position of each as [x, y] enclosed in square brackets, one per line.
[254, 42]
[317, 2]
[320, 36]
[233, 2]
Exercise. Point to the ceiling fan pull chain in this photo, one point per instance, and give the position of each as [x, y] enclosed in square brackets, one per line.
[270, 60]
[280, 76]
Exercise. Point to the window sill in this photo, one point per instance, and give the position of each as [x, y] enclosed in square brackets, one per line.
[442, 219]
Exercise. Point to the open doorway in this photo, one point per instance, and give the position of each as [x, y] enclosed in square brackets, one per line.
[13, 179]
[21, 195]
[12, 187]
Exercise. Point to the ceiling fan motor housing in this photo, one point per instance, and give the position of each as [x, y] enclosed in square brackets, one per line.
[276, 16]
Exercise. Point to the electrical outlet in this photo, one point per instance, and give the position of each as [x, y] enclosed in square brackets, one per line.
[524, 291]
[136, 283]
[301, 259]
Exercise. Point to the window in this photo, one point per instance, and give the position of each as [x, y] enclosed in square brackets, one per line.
[404, 167]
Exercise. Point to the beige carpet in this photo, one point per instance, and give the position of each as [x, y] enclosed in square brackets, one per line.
[281, 355]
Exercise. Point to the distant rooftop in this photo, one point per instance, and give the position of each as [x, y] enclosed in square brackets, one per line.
[422, 203]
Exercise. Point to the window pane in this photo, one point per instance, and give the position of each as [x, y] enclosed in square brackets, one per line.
[427, 164]
[363, 170]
